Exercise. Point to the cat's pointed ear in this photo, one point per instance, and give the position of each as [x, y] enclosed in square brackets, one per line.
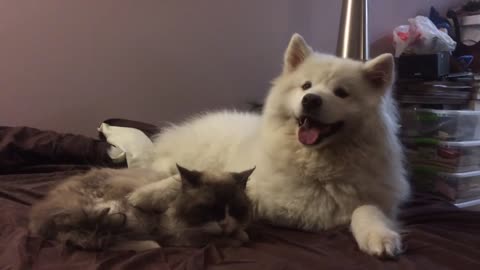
[189, 178]
[242, 177]
[297, 51]
[380, 71]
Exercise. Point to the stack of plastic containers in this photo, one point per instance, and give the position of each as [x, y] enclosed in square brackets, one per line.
[443, 152]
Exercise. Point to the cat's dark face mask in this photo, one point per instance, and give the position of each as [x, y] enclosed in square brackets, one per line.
[217, 203]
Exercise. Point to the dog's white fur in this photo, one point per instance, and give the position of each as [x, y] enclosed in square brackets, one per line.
[355, 176]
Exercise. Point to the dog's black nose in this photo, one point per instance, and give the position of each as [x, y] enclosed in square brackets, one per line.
[311, 102]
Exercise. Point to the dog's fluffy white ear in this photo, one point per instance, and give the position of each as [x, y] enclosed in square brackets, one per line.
[380, 70]
[297, 51]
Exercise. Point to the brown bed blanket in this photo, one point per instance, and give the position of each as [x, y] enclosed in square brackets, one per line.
[438, 235]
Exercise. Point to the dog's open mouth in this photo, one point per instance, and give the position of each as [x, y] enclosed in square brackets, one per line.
[312, 132]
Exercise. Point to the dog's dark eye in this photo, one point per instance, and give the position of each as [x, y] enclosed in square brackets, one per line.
[340, 92]
[306, 85]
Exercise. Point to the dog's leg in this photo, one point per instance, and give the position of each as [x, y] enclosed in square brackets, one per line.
[156, 196]
[374, 232]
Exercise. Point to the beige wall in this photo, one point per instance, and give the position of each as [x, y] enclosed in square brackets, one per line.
[68, 65]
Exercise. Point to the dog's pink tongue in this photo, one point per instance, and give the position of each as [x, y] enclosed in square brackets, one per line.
[308, 134]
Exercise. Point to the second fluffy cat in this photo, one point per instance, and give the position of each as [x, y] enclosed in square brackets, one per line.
[91, 211]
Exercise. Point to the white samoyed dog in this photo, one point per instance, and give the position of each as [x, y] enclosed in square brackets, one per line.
[325, 149]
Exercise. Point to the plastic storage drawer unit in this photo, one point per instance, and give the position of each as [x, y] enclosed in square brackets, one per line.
[458, 187]
[443, 156]
[443, 125]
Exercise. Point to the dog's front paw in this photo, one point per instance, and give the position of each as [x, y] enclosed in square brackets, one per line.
[382, 242]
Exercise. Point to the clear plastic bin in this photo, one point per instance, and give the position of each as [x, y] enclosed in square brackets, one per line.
[458, 187]
[446, 125]
[443, 156]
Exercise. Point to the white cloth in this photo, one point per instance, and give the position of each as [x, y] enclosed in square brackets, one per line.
[128, 143]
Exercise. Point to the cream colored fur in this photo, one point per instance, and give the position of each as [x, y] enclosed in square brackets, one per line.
[355, 176]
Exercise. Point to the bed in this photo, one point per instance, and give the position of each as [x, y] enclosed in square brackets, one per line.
[438, 235]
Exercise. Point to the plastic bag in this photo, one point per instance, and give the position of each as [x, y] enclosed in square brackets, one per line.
[400, 39]
[421, 37]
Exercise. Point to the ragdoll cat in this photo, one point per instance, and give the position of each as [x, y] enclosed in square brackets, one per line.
[91, 211]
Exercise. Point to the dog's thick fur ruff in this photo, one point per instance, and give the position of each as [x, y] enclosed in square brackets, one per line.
[354, 176]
